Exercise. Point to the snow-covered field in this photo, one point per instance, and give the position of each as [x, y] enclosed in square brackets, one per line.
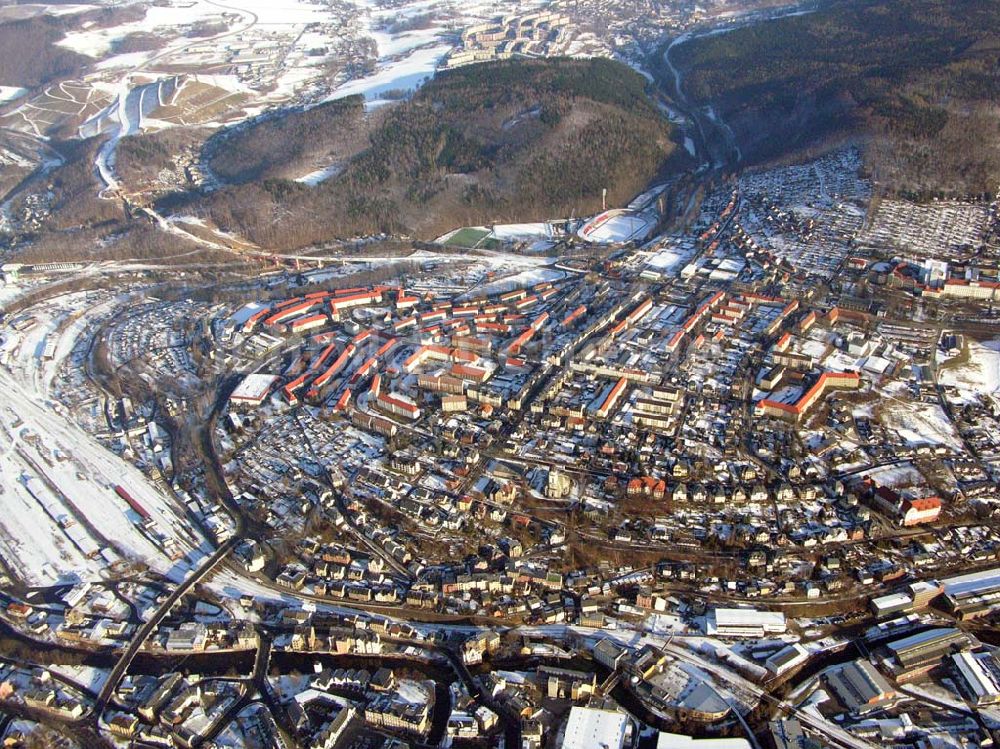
[979, 377]
[167, 17]
[518, 281]
[60, 479]
[617, 226]
[516, 232]
[9, 93]
[921, 424]
[399, 76]
[62, 519]
[317, 176]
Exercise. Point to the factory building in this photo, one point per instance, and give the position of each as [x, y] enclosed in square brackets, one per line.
[860, 687]
[253, 389]
[917, 654]
[745, 623]
[979, 675]
[973, 595]
[786, 659]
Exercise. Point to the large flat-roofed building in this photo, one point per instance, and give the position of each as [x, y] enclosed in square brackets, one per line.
[704, 703]
[919, 653]
[860, 687]
[253, 389]
[973, 595]
[745, 623]
[679, 741]
[980, 677]
[610, 654]
[590, 728]
[889, 605]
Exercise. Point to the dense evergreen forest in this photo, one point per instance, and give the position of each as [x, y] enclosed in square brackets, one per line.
[922, 77]
[513, 140]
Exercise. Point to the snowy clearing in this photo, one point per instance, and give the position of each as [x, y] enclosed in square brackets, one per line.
[979, 377]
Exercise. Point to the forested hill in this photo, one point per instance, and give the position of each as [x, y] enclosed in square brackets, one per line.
[920, 76]
[514, 140]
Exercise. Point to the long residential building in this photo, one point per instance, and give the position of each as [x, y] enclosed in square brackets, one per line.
[981, 290]
[609, 398]
[795, 411]
[613, 372]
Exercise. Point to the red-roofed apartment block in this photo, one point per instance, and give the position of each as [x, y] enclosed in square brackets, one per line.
[795, 411]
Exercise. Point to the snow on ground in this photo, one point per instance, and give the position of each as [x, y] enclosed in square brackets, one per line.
[980, 376]
[394, 45]
[921, 424]
[58, 9]
[320, 175]
[617, 226]
[97, 42]
[9, 93]
[520, 280]
[56, 327]
[32, 543]
[405, 74]
[193, 220]
[60, 475]
[291, 79]
[88, 478]
[126, 60]
[815, 699]
[515, 232]
[500, 261]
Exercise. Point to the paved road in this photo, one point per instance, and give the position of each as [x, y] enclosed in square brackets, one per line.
[143, 633]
